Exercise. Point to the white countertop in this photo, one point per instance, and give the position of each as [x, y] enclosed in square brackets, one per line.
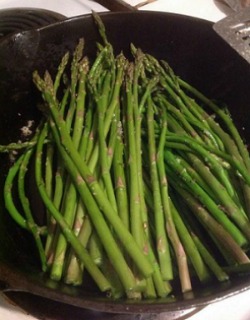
[233, 308]
[206, 9]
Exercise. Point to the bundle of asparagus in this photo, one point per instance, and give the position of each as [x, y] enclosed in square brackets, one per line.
[144, 179]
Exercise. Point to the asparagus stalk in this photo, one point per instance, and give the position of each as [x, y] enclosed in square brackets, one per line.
[26, 207]
[205, 199]
[80, 69]
[8, 193]
[209, 259]
[87, 197]
[134, 192]
[73, 273]
[120, 179]
[225, 117]
[190, 246]
[170, 226]
[216, 229]
[101, 281]
[161, 239]
[233, 144]
[104, 162]
[182, 260]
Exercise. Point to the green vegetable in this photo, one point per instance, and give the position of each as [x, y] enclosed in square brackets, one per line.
[140, 184]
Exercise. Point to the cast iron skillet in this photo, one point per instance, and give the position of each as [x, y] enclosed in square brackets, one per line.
[195, 52]
[14, 20]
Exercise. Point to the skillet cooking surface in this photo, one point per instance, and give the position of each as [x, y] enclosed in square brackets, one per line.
[192, 49]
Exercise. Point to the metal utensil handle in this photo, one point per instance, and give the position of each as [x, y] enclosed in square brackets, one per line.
[237, 5]
[116, 5]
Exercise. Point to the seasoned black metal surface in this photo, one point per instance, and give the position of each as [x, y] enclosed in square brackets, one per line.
[18, 19]
[192, 49]
[47, 309]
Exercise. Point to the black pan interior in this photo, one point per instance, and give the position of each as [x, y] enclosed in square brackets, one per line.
[193, 50]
